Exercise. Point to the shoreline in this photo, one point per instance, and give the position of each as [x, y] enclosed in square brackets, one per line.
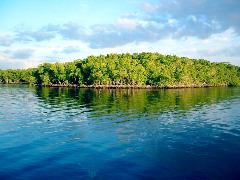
[126, 86]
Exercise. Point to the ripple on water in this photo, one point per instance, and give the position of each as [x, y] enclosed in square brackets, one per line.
[129, 134]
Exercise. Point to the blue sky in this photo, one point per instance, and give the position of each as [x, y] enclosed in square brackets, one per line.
[37, 31]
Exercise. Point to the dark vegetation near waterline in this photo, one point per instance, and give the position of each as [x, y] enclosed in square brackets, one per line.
[128, 70]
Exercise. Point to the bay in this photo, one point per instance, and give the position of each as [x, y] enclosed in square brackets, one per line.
[67, 133]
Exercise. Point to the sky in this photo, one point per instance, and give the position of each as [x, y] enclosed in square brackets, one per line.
[38, 31]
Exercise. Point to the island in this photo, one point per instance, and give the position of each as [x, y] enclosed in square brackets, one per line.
[137, 70]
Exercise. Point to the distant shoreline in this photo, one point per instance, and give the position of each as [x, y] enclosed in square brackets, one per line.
[125, 86]
[137, 71]
[136, 86]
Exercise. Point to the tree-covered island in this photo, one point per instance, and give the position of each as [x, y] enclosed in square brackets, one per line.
[138, 70]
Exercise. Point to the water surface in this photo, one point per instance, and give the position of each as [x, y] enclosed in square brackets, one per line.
[61, 133]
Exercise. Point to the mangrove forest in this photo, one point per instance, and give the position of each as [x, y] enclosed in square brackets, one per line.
[128, 70]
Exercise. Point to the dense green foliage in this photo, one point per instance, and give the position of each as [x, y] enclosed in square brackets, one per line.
[136, 69]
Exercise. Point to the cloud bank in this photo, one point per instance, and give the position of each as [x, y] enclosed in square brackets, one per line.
[211, 29]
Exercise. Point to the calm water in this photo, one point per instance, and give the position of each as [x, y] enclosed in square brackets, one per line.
[60, 133]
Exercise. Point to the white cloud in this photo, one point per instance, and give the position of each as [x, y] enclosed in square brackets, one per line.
[6, 40]
[217, 47]
[172, 22]
[192, 18]
[214, 48]
[148, 7]
[127, 23]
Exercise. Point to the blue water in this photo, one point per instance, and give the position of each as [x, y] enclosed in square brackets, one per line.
[61, 133]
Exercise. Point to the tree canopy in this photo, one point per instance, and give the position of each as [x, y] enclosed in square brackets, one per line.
[137, 69]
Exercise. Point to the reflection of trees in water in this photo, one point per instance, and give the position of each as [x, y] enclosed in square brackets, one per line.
[107, 101]
[137, 120]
